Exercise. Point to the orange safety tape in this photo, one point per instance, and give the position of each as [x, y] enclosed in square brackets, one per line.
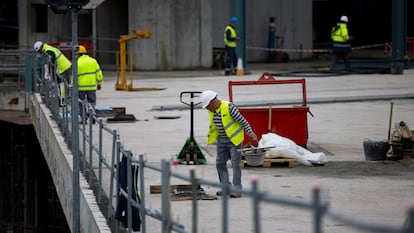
[314, 50]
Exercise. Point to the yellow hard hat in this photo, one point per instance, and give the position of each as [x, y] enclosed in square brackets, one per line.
[82, 50]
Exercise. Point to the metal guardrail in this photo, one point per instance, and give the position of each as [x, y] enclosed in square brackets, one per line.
[108, 142]
[11, 64]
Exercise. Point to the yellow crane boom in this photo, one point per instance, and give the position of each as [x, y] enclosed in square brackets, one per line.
[121, 83]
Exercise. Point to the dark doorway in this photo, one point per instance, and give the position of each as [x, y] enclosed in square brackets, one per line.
[28, 199]
[369, 20]
[9, 34]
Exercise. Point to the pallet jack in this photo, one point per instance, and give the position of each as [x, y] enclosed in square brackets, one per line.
[191, 150]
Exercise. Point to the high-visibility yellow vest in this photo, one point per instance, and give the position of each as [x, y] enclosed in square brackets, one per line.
[339, 33]
[233, 129]
[61, 61]
[233, 34]
[89, 73]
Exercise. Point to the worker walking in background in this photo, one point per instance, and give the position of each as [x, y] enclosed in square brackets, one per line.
[62, 63]
[341, 47]
[227, 127]
[230, 41]
[271, 40]
[90, 78]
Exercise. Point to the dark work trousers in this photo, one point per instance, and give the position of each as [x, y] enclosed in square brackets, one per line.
[121, 213]
[231, 60]
[341, 53]
[64, 76]
[90, 98]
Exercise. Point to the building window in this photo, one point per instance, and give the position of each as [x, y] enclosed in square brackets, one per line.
[39, 18]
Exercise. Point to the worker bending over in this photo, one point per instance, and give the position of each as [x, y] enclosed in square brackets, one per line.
[227, 127]
[61, 64]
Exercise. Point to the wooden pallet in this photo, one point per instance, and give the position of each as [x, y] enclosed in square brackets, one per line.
[156, 189]
[274, 162]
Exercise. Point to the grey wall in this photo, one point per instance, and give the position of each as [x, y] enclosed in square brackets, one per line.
[181, 34]
[292, 16]
[293, 22]
[111, 23]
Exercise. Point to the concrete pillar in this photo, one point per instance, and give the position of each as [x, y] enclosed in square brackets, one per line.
[164, 31]
[238, 9]
[24, 25]
[399, 35]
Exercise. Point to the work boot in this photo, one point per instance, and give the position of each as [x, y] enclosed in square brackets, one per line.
[235, 195]
[219, 193]
[227, 73]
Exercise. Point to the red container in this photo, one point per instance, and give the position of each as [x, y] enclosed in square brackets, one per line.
[66, 47]
[289, 122]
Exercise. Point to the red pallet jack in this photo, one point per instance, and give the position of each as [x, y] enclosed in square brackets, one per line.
[191, 150]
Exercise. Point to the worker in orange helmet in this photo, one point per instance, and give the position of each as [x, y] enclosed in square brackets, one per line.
[90, 79]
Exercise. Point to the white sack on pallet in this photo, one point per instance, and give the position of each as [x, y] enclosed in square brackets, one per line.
[284, 147]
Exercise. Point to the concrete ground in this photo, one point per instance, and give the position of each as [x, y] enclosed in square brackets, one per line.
[372, 191]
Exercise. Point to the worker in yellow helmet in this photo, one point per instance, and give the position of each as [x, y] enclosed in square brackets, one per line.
[90, 78]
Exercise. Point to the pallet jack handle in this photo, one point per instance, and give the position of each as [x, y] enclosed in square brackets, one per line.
[192, 104]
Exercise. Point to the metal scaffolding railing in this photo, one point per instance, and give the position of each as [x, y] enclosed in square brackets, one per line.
[102, 152]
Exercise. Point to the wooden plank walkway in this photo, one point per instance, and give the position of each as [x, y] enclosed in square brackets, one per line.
[274, 163]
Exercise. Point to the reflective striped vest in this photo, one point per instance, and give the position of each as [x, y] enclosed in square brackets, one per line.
[89, 73]
[339, 33]
[233, 34]
[62, 62]
[233, 129]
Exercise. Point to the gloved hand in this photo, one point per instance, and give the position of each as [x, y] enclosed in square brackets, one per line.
[254, 139]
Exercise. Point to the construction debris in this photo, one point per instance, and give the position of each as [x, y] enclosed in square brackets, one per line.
[402, 142]
[114, 114]
[183, 192]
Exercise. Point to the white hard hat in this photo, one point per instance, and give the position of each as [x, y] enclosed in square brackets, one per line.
[37, 45]
[344, 19]
[206, 97]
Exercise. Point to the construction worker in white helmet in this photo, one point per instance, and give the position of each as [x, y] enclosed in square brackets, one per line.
[61, 64]
[57, 57]
[341, 47]
[227, 128]
[90, 78]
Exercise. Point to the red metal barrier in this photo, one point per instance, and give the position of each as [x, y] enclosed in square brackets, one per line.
[289, 122]
[66, 47]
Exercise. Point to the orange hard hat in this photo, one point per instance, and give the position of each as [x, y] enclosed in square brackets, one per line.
[82, 49]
